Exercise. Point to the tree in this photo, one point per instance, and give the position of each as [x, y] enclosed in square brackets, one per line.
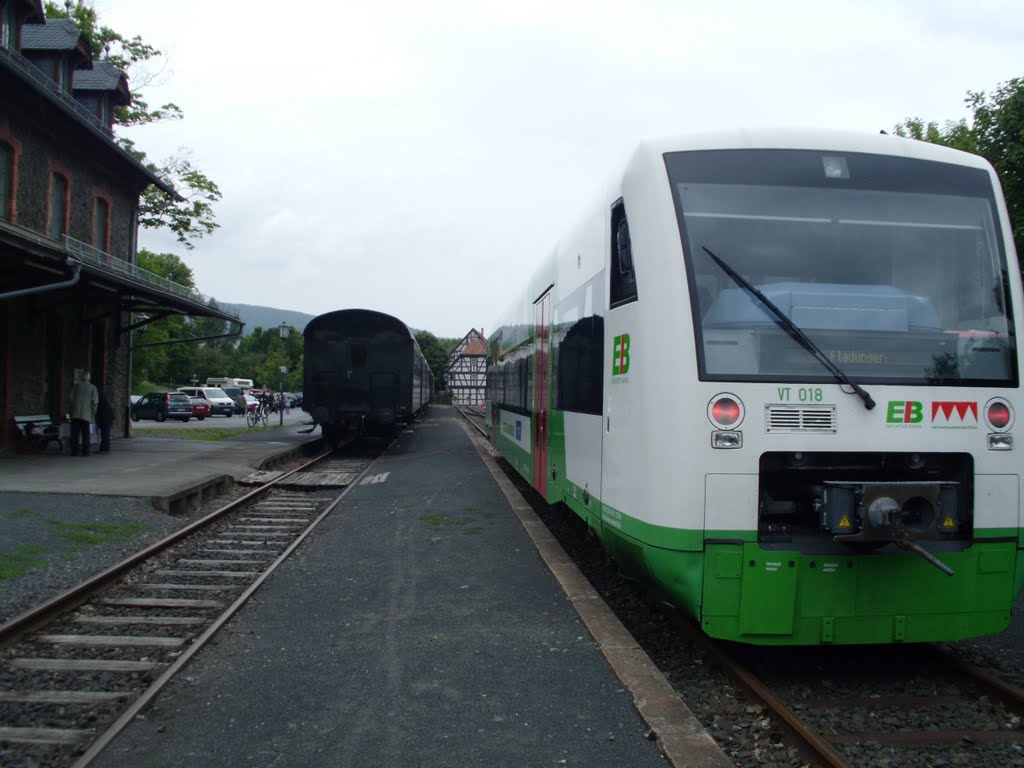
[191, 216]
[996, 132]
[437, 351]
[168, 363]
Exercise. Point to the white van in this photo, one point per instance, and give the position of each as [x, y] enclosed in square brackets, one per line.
[244, 384]
[216, 397]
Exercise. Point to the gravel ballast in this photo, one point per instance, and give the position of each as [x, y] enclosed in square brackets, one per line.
[69, 538]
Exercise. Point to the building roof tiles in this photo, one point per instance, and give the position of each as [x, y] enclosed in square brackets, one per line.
[103, 76]
[54, 35]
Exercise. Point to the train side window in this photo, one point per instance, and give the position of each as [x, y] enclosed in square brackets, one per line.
[622, 275]
[580, 363]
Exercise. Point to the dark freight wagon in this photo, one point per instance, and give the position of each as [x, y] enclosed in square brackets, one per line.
[364, 372]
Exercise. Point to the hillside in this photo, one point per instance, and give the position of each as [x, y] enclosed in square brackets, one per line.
[268, 317]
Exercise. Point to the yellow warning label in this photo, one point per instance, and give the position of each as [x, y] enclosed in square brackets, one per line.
[948, 522]
[844, 522]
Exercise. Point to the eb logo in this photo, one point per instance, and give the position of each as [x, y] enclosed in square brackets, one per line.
[620, 355]
[905, 412]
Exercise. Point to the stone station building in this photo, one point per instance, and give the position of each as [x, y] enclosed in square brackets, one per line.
[70, 291]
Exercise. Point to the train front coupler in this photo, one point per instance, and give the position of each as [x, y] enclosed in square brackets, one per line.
[869, 515]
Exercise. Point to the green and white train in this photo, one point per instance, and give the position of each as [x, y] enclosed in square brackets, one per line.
[777, 374]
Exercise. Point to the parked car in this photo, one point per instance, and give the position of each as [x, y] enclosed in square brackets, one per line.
[297, 400]
[200, 408]
[162, 406]
[219, 402]
[234, 393]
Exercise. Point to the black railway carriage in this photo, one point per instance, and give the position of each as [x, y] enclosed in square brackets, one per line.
[364, 371]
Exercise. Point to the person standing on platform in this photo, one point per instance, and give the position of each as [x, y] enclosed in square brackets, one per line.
[104, 420]
[84, 401]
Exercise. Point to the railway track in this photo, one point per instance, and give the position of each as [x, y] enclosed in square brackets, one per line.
[475, 417]
[897, 700]
[76, 669]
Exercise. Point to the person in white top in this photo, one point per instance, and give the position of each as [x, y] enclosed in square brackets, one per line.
[84, 400]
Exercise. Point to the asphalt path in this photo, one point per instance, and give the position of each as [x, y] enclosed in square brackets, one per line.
[416, 626]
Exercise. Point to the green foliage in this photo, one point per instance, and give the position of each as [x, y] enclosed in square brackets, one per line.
[265, 353]
[437, 351]
[167, 265]
[189, 216]
[996, 132]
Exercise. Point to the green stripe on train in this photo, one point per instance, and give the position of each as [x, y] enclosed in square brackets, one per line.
[741, 592]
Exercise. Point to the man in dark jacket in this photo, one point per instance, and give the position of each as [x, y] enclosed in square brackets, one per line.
[104, 420]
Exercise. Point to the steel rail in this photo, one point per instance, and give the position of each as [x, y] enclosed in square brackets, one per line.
[1007, 692]
[34, 618]
[823, 747]
[472, 423]
[811, 740]
[104, 740]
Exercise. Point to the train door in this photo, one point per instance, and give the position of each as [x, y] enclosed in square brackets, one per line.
[542, 348]
[623, 439]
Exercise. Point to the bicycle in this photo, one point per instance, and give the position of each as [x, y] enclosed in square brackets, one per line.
[260, 413]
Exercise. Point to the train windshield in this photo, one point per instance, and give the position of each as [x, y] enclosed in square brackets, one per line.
[895, 267]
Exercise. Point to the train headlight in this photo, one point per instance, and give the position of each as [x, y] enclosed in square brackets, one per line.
[725, 411]
[725, 439]
[1000, 442]
[999, 414]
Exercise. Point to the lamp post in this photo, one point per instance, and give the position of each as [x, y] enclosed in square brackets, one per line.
[283, 330]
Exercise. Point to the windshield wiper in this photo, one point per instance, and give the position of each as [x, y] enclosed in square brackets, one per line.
[793, 330]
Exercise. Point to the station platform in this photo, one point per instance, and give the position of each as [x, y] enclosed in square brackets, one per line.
[420, 624]
[171, 473]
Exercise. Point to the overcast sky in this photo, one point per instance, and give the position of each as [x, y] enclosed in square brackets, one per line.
[420, 158]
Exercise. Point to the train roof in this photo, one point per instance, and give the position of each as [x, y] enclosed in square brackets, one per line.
[811, 139]
[366, 317]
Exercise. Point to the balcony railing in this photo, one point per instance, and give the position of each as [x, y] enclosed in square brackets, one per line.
[102, 260]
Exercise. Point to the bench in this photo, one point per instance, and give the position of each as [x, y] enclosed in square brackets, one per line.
[34, 433]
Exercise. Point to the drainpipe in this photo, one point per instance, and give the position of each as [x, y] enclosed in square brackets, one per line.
[76, 268]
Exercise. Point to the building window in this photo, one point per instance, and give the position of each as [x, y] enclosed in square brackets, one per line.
[64, 73]
[6, 180]
[101, 225]
[9, 26]
[103, 110]
[58, 206]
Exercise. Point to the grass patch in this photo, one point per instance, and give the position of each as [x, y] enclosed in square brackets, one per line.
[95, 533]
[210, 434]
[20, 562]
[21, 514]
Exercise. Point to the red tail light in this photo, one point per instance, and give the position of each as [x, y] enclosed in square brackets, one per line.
[725, 411]
[167, 399]
[998, 414]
